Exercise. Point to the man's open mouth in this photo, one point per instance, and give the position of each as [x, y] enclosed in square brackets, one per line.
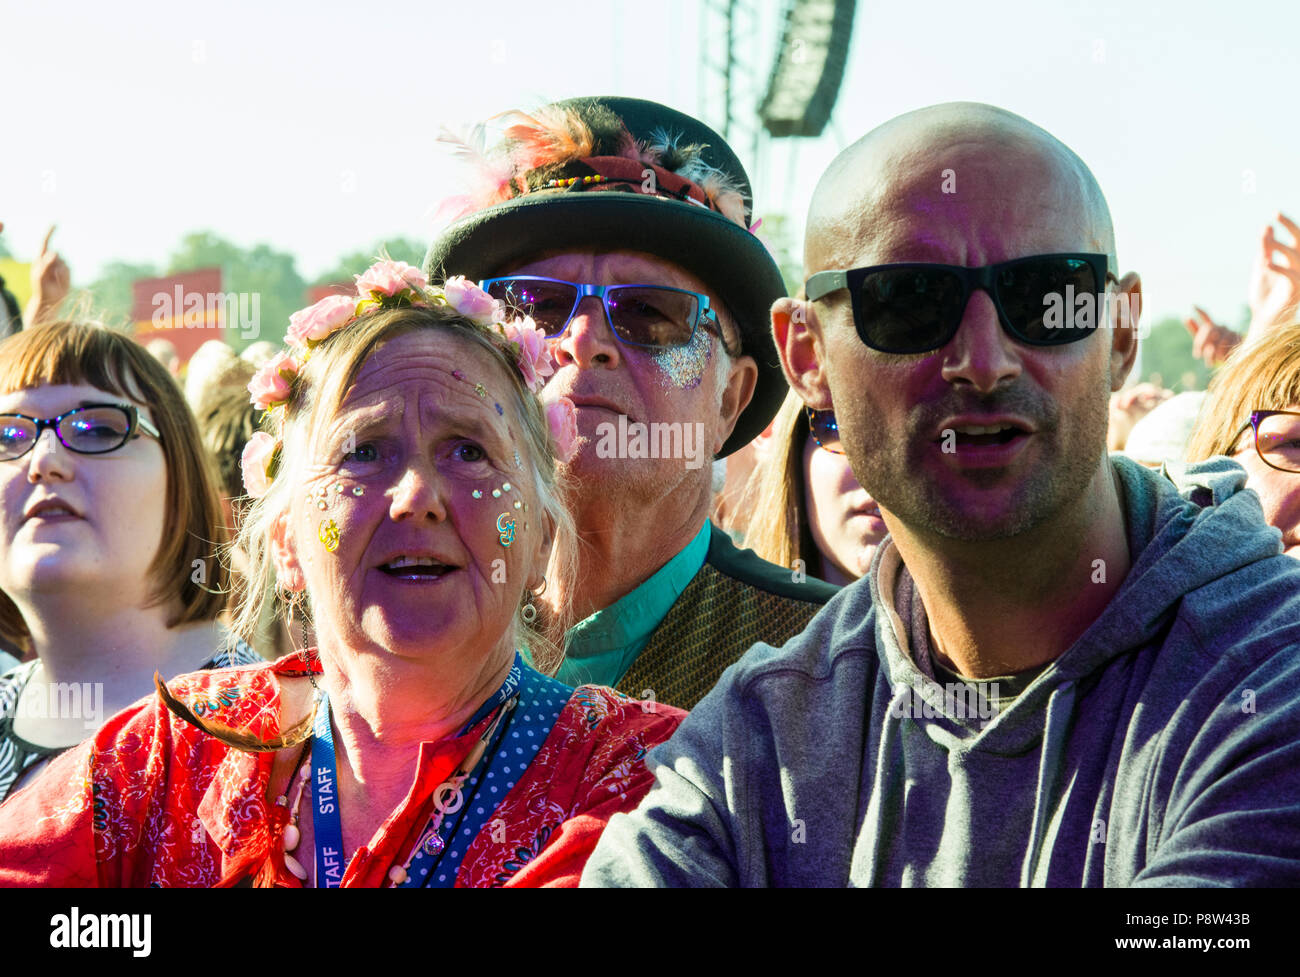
[981, 435]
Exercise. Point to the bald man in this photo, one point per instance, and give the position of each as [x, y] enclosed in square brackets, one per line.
[1058, 671]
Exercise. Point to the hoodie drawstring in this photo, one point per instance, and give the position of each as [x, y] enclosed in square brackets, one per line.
[1056, 729]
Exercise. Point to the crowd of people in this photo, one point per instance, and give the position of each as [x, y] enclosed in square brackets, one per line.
[441, 594]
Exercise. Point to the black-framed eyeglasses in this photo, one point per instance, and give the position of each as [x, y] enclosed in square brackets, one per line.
[1277, 438]
[92, 429]
[824, 430]
[653, 316]
[917, 307]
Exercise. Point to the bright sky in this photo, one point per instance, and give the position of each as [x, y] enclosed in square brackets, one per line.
[312, 127]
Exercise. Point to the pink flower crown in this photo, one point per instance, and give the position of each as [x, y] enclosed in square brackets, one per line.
[393, 284]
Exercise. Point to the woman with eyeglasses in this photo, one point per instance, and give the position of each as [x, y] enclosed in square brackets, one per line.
[1252, 415]
[108, 550]
[806, 503]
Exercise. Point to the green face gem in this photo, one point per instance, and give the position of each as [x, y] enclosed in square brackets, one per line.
[477, 494]
[358, 490]
[505, 487]
[480, 389]
[519, 505]
[496, 493]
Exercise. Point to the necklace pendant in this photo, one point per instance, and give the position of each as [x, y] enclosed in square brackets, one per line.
[291, 837]
[433, 844]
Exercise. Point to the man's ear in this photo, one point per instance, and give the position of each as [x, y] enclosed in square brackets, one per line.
[799, 342]
[736, 395]
[1124, 329]
[288, 571]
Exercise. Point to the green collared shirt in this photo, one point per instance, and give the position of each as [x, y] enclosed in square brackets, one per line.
[600, 649]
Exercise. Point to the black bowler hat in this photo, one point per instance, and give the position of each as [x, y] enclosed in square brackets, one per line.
[575, 175]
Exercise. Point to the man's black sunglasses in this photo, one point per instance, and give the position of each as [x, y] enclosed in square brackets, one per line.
[916, 308]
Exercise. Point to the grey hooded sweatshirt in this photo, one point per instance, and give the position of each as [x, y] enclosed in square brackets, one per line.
[1162, 748]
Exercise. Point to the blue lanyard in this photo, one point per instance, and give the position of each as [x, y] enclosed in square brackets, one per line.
[328, 826]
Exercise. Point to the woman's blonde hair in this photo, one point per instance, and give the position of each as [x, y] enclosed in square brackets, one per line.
[1264, 375]
[318, 391]
[69, 352]
[777, 529]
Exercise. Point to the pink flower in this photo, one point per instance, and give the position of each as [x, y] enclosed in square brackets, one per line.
[562, 417]
[534, 351]
[271, 384]
[472, 302]
[389, 278]
[314, 323]
[255, 461]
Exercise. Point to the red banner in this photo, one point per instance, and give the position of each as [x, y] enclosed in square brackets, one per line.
[186, 309]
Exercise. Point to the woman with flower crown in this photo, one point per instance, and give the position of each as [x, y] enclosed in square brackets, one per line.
[406, 499]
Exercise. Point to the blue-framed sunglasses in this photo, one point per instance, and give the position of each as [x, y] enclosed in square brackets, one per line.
[92, 429]
[916, 307]
[652, 316]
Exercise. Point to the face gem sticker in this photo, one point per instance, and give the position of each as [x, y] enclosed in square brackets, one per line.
[506, 527]
[328, 533]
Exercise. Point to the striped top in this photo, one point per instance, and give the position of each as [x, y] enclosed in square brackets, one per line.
[17, 755]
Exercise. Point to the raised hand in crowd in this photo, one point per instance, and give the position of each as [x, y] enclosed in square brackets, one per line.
[1273, 294]
[1274, 284]
[1211, 342]
[50, 283]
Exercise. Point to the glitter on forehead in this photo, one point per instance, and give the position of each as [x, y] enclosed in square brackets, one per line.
[683, 366]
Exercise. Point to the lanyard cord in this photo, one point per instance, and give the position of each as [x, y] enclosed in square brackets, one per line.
[448, 799]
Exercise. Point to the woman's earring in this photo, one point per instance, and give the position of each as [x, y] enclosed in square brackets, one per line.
[529, 612]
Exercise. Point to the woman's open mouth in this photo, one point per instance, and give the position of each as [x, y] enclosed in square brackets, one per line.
[418, 568]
